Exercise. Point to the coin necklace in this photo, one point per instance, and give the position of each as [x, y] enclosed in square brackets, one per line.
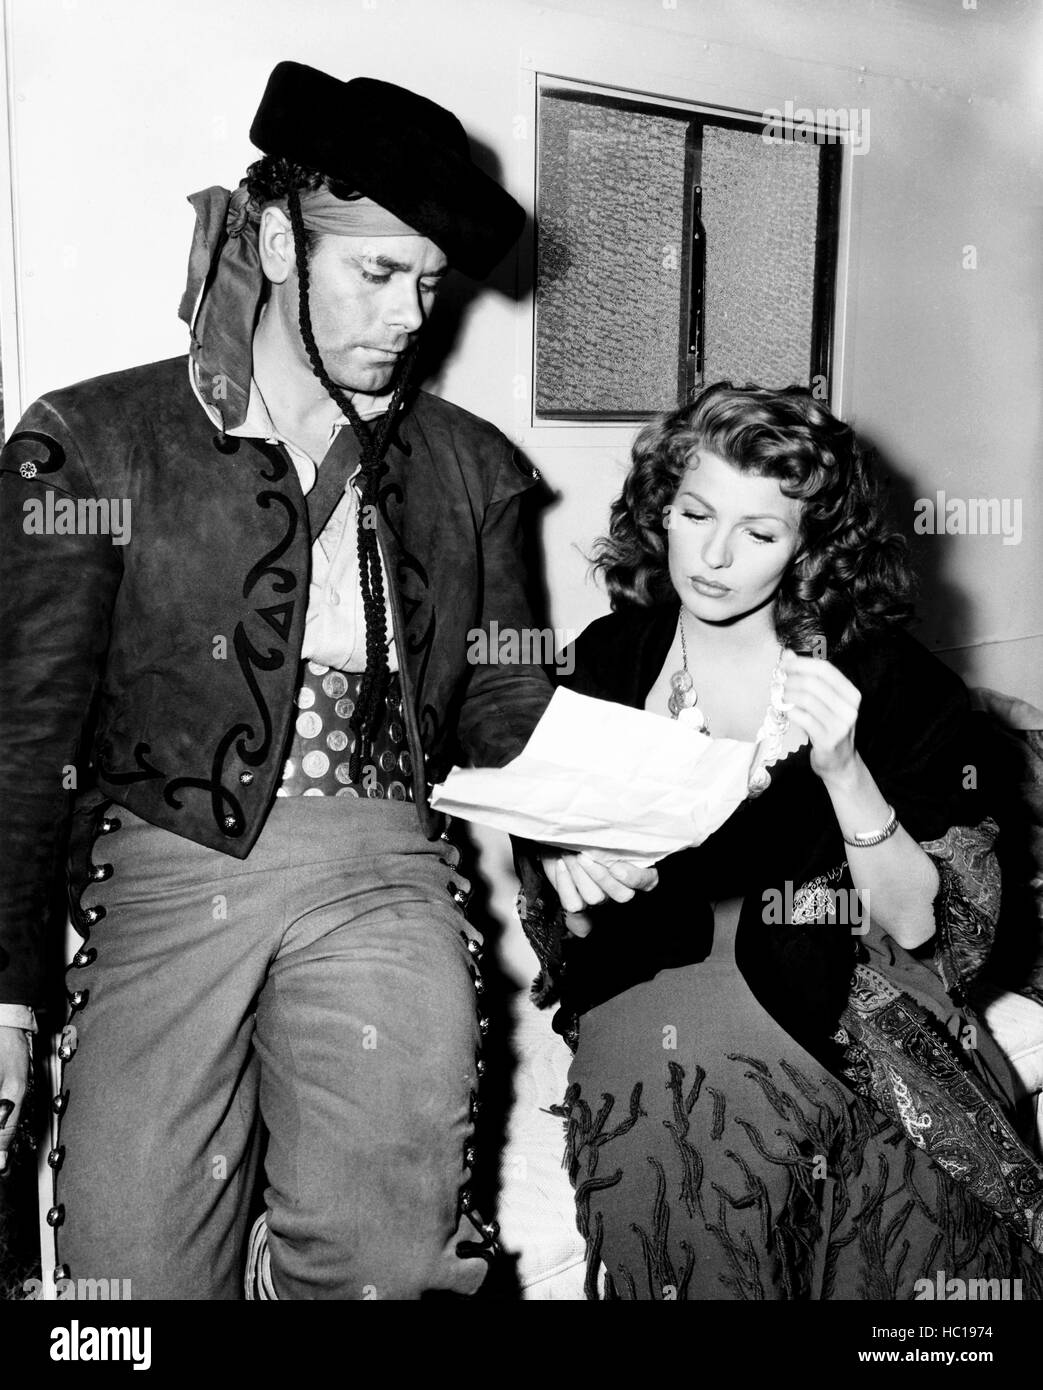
[684, 707]
[684, 698]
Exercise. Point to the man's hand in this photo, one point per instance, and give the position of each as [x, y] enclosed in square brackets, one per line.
[14, 1078]
[582, 881]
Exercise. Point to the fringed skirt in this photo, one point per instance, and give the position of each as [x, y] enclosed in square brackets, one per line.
[714, 1158]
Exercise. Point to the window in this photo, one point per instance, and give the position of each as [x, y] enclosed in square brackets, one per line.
[673, 247]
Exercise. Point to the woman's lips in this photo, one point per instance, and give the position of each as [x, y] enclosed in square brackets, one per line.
[707, 587]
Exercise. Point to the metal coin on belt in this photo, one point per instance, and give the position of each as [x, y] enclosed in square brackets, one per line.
[309, 724]
[335, 684]
[315, 763]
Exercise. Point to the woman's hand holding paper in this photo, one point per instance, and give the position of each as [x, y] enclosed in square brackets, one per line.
[582, 880]
[607, 780]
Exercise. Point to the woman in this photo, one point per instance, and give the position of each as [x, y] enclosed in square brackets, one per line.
[778, 1092]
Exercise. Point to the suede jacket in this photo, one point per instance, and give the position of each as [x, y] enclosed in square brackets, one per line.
[166, 665]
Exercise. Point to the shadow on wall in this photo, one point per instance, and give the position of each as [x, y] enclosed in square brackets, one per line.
[937, 598]
[512, 279]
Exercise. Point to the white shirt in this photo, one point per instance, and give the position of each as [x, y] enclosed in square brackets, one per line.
[334, 627]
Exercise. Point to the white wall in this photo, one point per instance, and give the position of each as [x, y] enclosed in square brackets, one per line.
[120, 108]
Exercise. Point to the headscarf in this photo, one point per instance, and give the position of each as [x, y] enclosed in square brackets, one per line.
[226, 285]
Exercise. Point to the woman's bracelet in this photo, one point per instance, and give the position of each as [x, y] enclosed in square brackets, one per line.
[864, 839]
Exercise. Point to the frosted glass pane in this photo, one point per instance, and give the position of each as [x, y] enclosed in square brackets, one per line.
[760, 206]
[608, 295]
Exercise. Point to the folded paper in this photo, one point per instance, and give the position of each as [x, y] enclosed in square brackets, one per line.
[615, 781]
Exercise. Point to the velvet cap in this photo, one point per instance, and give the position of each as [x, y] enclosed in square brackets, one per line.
[405, 152]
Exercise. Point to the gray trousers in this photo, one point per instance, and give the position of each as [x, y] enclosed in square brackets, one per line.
[324, 983]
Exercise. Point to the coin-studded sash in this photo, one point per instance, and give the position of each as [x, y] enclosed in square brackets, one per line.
[318, 758]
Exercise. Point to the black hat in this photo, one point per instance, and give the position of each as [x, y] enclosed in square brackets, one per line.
[406, 153]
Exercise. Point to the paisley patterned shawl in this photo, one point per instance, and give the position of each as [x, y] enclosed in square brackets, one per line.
[931, 1073]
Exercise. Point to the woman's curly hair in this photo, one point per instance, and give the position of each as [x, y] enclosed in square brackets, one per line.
[849, 574]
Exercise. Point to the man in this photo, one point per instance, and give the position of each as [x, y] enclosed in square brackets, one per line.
[264, 677]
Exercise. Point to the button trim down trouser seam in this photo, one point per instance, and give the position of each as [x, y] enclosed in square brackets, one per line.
[159, 1149]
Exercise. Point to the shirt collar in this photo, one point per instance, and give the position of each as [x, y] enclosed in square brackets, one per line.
[258, 423]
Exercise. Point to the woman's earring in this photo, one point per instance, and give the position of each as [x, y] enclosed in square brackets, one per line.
[668, 515]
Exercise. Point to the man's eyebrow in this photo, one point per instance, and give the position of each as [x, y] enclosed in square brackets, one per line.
[753, 516]
[389, 263]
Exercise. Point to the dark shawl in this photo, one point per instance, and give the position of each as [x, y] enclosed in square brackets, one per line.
[894, 1024]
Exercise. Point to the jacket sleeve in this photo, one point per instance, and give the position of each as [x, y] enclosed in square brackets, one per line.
[539, 908]
[56, 597]
[506, 692]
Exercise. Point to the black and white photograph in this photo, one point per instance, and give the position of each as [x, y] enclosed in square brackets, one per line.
[521, 669]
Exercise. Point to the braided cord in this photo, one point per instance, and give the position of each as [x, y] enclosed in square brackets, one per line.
[373, 443]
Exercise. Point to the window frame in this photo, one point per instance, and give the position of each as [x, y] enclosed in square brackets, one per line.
[615, 434]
